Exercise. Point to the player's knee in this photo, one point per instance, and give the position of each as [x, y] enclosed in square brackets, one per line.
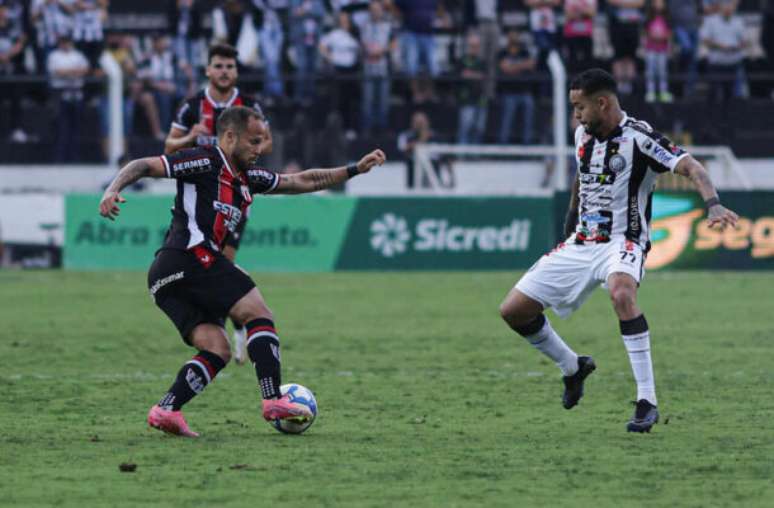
[505, 311]
[515, 316]
[254, 312]
[623, 298]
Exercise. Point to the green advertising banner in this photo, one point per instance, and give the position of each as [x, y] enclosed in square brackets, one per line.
[311, 233]
[323, 233]
[682, 239]
[448, 233]
[300, 233]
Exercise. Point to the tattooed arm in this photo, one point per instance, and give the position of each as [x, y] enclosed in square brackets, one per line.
[571, 219]
[717, 214]
[313, 180]
[138, 168]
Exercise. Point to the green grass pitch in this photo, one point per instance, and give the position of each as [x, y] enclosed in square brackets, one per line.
[426, 398]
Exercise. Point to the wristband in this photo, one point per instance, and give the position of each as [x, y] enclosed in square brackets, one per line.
[352, 171]
[711, 202]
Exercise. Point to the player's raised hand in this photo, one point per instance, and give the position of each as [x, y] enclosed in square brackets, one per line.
[719, 216]
[200, 129]
[375, 158]
[108, 206]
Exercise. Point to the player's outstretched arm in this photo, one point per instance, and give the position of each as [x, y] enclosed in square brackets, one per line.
[313, 180]
[138, 168]
[717, 214]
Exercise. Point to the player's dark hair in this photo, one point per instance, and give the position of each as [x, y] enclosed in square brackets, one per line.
[236, 117]
[223, 51]
[593, 81]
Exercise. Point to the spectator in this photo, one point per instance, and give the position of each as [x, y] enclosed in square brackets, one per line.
[121, 53]
[67, 67]
[658, 35]
[158, 72]
[378, 42]
[419, 132]
[227, 20]
[271, 40]
[723, 34]
[712, 7]
[483, 14]
[52, 20]
[341, 51]
[542, 23]
[684, 16]
[418, 42]
[88, 18]
[185, 22]
[767, 37]
[516, 62]
[625, 19]
[357, 10]
[305, 26]
[579, 32]
[120, 47]
[472, 99]
[12, 41]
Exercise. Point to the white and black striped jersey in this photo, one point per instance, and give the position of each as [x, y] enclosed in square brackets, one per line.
[212, 196]
[87, 21]
[51, 22]
[617, 177]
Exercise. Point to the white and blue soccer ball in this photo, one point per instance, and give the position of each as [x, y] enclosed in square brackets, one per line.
[299, 394]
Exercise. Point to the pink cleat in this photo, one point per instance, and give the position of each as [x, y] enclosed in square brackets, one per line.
[171, 422]
[283, 409]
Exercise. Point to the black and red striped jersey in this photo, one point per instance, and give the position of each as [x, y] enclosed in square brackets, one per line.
[212, 196]
[203, 107]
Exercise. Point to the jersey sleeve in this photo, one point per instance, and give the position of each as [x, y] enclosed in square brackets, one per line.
[187, 164]
[662, 155]
[184, 118]
[262, 181]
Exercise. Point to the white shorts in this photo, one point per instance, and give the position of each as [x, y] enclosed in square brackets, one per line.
[566, 276]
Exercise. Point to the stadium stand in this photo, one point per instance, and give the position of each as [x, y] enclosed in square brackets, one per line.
[28, 107]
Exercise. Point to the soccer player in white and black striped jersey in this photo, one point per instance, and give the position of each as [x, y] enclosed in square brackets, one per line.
[607, 230]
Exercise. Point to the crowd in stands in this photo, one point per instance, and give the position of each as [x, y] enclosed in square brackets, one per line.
[361, 57]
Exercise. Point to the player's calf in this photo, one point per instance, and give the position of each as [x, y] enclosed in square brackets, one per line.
[263, 348]
[195, 375]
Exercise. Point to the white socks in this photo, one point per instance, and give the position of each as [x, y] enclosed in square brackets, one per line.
[636, 338]
[547, 341]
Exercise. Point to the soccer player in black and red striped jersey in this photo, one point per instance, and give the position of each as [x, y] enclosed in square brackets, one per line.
[193, 282]
[194, 125]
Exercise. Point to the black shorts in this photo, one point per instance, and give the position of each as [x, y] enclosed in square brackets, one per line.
[233, 239]
[196, 286]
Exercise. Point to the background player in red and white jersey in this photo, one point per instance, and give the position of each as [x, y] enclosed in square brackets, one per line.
[193, 282]
[194, 125]
[607, 232]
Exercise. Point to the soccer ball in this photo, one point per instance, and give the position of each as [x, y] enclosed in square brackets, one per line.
[300, 395]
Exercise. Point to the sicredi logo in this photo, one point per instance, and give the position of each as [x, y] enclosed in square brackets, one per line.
[390, 236]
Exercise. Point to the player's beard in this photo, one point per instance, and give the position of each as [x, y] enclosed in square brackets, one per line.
[593, 127]
[223, 89]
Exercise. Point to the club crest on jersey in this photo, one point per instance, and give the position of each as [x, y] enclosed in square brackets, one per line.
[617, 163]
